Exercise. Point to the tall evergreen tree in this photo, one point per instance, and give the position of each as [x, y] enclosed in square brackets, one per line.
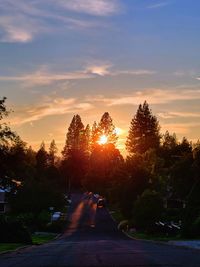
[87, 139]
[75, 152]
[52, 152]
[169, 141]
[144, 131]
[94, 135]
[107, 128]
[75, 136]
[41, 158]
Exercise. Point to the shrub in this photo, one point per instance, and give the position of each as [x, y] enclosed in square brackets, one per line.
[147, 210]
[14, 232]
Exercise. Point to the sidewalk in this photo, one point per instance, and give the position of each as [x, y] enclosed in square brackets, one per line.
[190, 244]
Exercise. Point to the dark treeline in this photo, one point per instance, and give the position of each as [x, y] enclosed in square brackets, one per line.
[159, 179]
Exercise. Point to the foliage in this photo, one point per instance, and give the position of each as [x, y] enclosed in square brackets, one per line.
[14, 231]
[147, 209]
[155, 171]
[144, 131]
[107, 128]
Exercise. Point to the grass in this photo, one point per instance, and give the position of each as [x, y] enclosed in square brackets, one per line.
[141, 235]
[39, 239]
[10, 246]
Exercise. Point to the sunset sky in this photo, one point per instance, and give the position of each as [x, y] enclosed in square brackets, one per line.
[59, 58]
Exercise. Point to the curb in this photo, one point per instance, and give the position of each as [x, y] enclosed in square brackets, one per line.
[15, 250]
[29, 246]
[167, 243]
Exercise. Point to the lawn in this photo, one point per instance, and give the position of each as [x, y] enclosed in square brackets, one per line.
[37, 239]
[10, 246]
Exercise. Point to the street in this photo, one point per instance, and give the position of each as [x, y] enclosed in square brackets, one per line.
[92, 239]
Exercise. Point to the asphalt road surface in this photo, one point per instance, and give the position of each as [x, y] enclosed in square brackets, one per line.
[92, 239]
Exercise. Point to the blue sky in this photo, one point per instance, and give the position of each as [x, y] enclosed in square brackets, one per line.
[64, 57]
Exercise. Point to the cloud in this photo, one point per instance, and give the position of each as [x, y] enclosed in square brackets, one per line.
[43, 76]
[17, 29]
[134, 72]
[175, 114]
[158, 5]
[101, 70]
[152, 96]
[179, 128]
[48, 107]
[107, 69]
[22, 20]
[92, 7]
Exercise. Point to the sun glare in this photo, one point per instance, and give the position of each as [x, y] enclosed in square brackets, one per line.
[103, 140]
[117, 131]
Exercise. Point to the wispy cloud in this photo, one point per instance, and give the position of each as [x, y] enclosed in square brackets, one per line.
[158, 5]
[48, 107]
[43, 76]
[175, 114]
[153, 96]
[179, 128]
[92, 7]
[99, 69]
[107, 69]
[23, 20]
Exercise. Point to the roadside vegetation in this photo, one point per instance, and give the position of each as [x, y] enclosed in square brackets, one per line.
[155, 189]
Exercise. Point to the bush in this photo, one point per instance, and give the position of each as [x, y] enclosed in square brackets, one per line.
[147, 210]
[56, 227]
[14, 232]
[195, 228]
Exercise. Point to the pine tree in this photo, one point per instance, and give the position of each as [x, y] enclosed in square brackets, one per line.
[94, 136]
[107, 128]
[75, 136]
[144, 131]
[87, 139]
[52, 152]
[75, 152]
[169, 141]
[41, 158]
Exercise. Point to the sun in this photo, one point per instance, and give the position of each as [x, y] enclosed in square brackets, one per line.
[103, 140]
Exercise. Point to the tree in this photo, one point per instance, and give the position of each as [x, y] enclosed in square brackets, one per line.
[107, 128]
[75, 136]
[5, 132]
[169, 141]
[52, 152]
[75, 152]
[144, 131]
[41, 158]
[94, 136]
[148, 209]
[6, 138]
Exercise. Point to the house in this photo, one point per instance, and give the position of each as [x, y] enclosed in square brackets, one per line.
[4, 207]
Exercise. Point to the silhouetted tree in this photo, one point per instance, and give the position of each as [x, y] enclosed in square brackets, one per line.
[41, 159]
[75, 152]
[144, 131]
[107, 128]
[52, 152]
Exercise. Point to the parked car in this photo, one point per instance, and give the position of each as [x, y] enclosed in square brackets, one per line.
[56, 216]
[101, 203]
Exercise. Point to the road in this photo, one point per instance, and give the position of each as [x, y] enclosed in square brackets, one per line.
[92, 239]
